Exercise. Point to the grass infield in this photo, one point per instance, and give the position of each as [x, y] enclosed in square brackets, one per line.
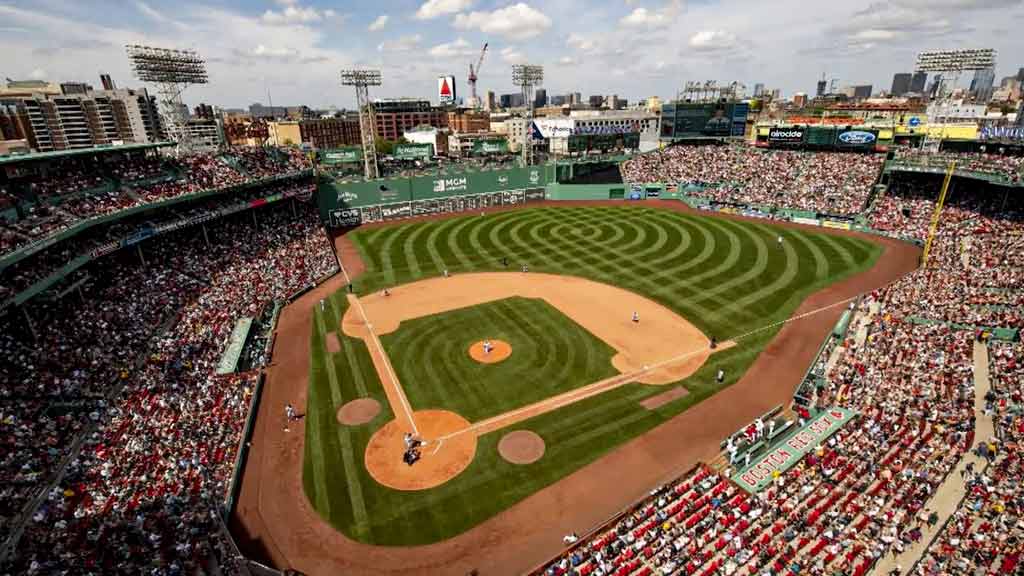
[727, 277]
[551, 354]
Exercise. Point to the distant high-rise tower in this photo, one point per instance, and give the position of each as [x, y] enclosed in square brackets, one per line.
[918, 82]
[822, 86]
[758, 90]
[108, 83]
[900, 83]
[982, 83]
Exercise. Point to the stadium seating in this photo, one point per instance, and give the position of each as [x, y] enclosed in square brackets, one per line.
[133, 367]
[75, 191]
[826, 182]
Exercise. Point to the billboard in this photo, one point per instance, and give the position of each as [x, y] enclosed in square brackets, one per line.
[704, 119]
[346, 155]
[422, 152]
[856, 139]
[779, 135]
[1001, 133]
[446, 90]
[555, 127]
[491, 146]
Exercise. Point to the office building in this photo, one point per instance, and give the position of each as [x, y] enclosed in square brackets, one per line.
[558, 101]
[490, 103]
[861, 92]
[325, 133]
[900, 83]
[396, 115]
[596, 101]
[512, 100]
[918, 82]
[982, 84]
[72, 88]
[107, 82]
[465, 121]
[822, 86]
[758, 90]
[95, 118]
[540, 98]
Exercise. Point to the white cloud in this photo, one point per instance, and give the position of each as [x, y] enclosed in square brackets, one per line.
[458, 47]
[567, 61]
[402, 44]
[713, 40]
[514, 22]
[37, 74]
[379, 23]
[511, 55]
[434, 8]
[293, 14]
[652, 19]
[271, 52]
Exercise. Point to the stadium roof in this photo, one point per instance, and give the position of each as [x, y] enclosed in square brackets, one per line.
[61, 154]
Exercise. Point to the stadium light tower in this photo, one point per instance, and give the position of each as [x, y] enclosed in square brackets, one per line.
[362, 80]
[953, 63]
[949, 64]
[172, 71]
[526, 76]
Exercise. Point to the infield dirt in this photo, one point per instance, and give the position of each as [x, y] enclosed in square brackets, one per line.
[275, 524]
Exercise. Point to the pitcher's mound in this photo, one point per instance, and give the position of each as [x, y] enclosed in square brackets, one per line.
[521, 447]
[440, 460]
[358, 412]
[500, 350]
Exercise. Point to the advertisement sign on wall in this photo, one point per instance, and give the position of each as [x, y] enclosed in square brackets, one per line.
[342, 155]
[856, 139]
[780, 135]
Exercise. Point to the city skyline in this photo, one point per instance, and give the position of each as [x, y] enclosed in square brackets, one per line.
[290, 51]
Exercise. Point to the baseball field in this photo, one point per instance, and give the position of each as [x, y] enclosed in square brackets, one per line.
[598, 322]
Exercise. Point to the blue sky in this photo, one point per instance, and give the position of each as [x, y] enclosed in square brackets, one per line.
[635, 48]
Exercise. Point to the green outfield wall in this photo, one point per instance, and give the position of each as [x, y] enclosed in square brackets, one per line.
[353, 202]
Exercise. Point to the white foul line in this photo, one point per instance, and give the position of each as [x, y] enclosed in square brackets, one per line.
[384, 356]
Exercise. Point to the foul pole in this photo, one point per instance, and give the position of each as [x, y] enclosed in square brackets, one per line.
[938, 212]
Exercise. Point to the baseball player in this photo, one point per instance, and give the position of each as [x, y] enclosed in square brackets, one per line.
[526, 268]
[487, 346]
[386, 292]
[445, 272]
[720, 376]
[780, 241]
[636, 317]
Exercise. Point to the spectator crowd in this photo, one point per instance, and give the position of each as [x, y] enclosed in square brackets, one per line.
[833, 183]
[126, 365]
[906, 367]
[74, 190]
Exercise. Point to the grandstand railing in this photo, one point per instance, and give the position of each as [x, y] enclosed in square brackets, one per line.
[80, 226]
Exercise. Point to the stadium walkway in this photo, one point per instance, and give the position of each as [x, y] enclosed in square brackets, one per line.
[947, 498]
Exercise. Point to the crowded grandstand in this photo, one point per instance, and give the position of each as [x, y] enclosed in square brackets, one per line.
[120, 448]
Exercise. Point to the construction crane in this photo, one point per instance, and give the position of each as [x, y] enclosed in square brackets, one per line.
[474, 101]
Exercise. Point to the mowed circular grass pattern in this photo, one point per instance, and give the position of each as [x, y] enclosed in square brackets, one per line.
[551, 354]
[727, 277]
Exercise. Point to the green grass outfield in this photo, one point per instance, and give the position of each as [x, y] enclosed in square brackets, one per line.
[551, 354]
[727, 277]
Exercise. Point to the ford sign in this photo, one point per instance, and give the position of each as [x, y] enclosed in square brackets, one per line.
[857, 138]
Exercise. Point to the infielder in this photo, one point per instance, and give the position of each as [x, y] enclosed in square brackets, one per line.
[636, 317]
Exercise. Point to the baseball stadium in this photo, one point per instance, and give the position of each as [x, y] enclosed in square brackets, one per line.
[795, 352]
